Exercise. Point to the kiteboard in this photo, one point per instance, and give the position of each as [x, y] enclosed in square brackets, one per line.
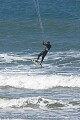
[36, 62]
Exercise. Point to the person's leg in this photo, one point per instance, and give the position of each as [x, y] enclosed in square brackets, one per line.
[44, 54]
[40, 55]
[42, 58]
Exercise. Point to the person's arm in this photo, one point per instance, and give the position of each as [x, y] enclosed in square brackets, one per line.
[44, 43]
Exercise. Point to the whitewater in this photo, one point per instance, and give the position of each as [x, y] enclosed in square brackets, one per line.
[39, 81]
[28, 91]
[17, 70]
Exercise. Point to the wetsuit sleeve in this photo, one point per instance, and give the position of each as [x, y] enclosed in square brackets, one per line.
[44, 43]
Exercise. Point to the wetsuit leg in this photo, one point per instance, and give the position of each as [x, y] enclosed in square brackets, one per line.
[44, 54]
[42, 58]
[40, 55]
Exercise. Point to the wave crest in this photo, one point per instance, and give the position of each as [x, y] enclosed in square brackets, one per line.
[39, 81]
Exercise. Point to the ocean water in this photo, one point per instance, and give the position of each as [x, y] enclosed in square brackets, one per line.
[28, 92]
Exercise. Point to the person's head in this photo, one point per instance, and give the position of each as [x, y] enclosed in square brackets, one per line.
[48, 42]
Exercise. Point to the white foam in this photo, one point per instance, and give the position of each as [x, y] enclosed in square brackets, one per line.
[38, 81]
[8, 58]
[29, 102]
[26, 76]
[37, 102]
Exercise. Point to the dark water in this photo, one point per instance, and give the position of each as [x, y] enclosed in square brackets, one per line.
[20, 29]
[26, 90]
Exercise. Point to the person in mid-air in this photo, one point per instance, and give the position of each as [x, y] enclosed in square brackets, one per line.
[45, 51]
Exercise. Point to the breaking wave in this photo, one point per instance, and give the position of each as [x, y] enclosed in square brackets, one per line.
[36, 102]
[38, 81]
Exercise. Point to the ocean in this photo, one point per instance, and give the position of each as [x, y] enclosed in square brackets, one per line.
[27, 91]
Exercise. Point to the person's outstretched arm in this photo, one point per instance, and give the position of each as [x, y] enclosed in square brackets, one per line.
[44, 43]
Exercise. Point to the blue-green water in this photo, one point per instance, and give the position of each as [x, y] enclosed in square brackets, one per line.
[26, 90]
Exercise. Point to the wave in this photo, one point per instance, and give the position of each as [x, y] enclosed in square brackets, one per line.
[36, 102]
[61, 69]
[33, 102]
[13, 58]
[26, 81]
[68, 56]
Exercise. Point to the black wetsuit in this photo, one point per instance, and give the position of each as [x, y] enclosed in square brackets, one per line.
[43, 53]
